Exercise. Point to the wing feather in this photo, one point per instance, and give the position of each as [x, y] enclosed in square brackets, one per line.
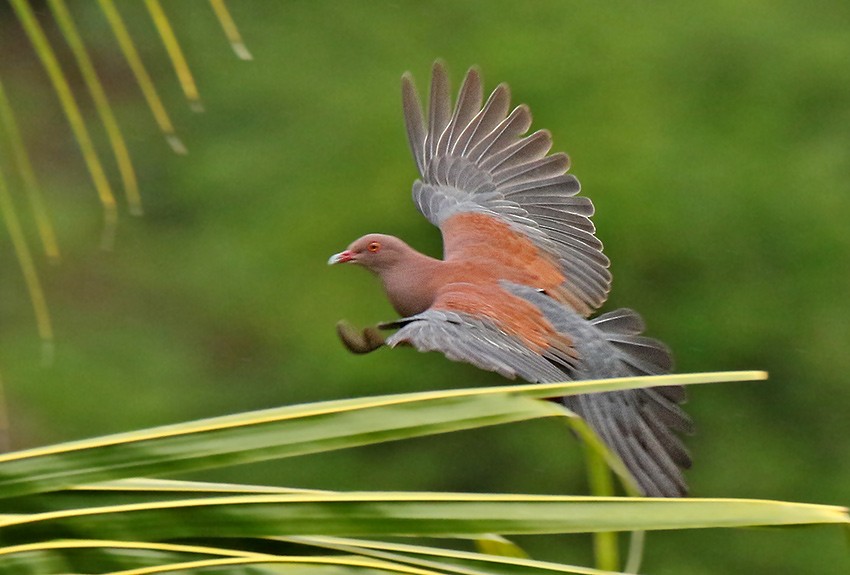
[471, 339]
[439, 108]
[523, 151]
[414, 120]
[540, 169]
[502, 136]
[468, 105]
[493, 112]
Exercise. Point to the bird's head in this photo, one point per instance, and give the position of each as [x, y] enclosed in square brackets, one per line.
[375, 252]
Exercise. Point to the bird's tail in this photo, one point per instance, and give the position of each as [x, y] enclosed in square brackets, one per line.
[638, 354]
[639, 425]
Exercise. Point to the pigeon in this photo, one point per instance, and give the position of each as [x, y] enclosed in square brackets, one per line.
[521, 275]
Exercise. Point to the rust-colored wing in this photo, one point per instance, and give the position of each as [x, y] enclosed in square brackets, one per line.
[490, 327]
[475, 163]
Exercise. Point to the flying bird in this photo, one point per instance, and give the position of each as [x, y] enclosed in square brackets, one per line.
[521, 273]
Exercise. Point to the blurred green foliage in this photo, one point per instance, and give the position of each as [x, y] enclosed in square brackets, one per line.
[714, 140]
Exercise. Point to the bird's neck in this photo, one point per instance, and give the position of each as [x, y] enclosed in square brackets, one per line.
[412, 286]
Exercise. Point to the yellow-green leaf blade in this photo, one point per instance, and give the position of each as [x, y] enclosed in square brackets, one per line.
[143, 78]
[422, 514]
[25, 170]
[295, 430]
[72, 111]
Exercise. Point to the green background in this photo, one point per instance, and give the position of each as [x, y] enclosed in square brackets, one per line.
[714, 140]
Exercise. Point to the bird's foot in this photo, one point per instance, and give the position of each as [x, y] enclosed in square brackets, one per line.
[359, 341]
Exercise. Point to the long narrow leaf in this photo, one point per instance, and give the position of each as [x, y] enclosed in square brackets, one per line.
[25, 260]
[135, 491]
[449, 560]
[258, 436]
[422, 514]
[298, 430]
[72, 112]
[53, 556]
[56, 556]
[175, 53]
[24, 167]
[112, 553]
[125, 42]
[230, 29]
[299, 565]
[101, 103]
[4, 418]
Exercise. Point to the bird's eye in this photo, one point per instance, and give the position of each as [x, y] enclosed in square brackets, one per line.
[373, 247]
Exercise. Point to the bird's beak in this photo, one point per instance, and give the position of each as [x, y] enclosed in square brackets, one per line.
[341, 257]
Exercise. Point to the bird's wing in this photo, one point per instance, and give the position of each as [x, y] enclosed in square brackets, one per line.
[519, 332]
[487, 326]
[475, 163]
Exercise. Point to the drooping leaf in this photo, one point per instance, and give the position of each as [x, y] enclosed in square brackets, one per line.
[230, 29]
[24, 167]
[134, 60]
[175, 53]
[72, 113]
[28, 269]
[101, 103]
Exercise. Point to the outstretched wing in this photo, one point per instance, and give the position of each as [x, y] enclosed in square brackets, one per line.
[639, 425]
[474, 161]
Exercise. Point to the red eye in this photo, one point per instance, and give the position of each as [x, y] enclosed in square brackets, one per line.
[373, 247]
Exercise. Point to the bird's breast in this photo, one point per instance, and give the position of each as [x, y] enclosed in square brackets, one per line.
[413, 289]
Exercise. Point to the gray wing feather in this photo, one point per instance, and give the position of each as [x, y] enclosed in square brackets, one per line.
[637, 424]
[484, 121]
[475, 159]
[503, 135]
[465, 338]
[468, 105]
[525, 150]
[439, 109]
[416, 133]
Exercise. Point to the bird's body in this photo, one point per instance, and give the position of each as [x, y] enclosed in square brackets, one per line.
[520, 273]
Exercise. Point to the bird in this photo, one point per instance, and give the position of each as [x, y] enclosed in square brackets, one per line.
[521, 274]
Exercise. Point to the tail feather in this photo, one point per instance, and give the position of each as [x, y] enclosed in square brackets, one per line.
[639, 425]
[622, 328]
[622, 321]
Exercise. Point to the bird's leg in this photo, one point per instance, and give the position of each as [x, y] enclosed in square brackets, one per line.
[359, 341]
